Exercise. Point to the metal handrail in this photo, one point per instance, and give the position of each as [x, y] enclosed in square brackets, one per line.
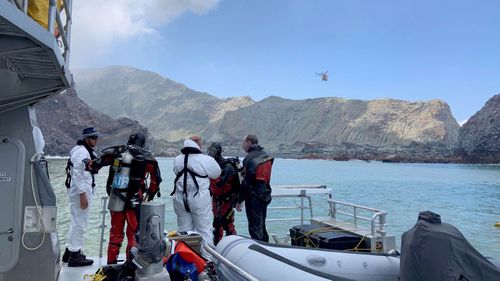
[378, 214]
[103, 226]
[297, 191]
[54, 16]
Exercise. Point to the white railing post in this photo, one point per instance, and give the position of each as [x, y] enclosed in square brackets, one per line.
[310, 206]
[302, 194]
[68, 6]
[102, 227]
[52, 16]
[355, 213]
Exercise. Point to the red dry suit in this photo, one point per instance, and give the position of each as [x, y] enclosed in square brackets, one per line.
[224, 192]
[144, 166]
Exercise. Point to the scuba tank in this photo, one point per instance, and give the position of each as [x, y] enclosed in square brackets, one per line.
[121, 179]
[239, 170]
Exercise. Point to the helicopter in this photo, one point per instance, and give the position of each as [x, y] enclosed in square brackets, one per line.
[323, 75]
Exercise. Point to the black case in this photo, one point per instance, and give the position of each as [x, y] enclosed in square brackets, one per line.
[314, 236]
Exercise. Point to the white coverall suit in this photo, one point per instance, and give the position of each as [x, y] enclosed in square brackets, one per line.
[199, 219]
[81, 182]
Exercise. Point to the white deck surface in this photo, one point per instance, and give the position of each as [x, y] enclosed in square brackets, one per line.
[77, 273]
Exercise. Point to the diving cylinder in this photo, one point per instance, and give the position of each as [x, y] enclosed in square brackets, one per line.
[240, 172]
[121, 179]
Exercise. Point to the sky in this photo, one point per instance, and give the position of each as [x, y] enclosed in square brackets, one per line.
[415, 50]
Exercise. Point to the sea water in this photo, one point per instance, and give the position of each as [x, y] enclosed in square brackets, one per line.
[466, 196]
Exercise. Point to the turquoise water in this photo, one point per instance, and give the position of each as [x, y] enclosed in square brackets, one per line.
[466, 196]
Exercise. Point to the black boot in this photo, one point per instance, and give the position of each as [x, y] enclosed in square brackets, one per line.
[78, 259]
[65, 256]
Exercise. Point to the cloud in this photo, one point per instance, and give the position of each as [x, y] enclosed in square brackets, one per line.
[99, 26]
[461, 123]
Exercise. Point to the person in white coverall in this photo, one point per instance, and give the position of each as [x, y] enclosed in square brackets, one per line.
[191, 195]
[80, 190]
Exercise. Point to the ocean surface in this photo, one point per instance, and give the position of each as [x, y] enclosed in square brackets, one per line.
[466, 196]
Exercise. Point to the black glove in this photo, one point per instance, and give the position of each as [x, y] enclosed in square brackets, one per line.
[151, 195]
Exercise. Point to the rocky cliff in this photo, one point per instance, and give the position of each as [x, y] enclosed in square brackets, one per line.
[170, 110]
[348, 128]
[63, 117]
[479, 140]
[336, 128]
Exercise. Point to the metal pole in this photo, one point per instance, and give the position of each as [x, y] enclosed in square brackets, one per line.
[68, 5]
[51, 16]
[310, 206]
[355, 215]
[302, 194]
[104, 199]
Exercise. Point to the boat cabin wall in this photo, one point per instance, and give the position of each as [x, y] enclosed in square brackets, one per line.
[20, 140]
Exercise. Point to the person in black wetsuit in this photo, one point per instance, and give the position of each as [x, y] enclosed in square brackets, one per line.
[255, 189]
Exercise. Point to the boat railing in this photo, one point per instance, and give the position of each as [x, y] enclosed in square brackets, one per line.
[360, 220]
[102, 227]
[377, 220]
[305, 205]
[375, 233]
[55, 22]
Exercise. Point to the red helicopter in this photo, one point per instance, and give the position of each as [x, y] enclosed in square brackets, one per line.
[323, 75]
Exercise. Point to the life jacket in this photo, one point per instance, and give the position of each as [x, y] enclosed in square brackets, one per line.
[258, 166]
[189, 255]
[263, 171]
[227, 185]
[261, 167]
[184, 172]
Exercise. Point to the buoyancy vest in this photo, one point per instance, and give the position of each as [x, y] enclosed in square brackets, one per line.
[228, 183]
[258, 166]
[184, 172]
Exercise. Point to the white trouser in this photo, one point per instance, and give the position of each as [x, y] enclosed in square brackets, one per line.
[79, 219]
[199, 219]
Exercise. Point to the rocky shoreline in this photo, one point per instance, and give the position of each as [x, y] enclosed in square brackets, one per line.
[331, 128]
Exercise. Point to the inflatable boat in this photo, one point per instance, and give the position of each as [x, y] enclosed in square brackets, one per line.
[267, 261]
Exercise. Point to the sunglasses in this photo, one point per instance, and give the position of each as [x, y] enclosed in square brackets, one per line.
[93, 137]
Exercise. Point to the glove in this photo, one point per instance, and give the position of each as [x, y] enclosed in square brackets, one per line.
[151, 195]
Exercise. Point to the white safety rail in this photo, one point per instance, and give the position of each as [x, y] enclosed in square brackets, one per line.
[102, 227]
[377, 219]
[367, 222]
[361, 220]
[302, 192]
[54, 16]
[303, 204]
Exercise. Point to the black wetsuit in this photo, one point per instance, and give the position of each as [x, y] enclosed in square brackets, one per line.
[256, 193]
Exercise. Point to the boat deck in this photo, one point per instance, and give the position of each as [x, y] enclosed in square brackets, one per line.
[78, 273]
